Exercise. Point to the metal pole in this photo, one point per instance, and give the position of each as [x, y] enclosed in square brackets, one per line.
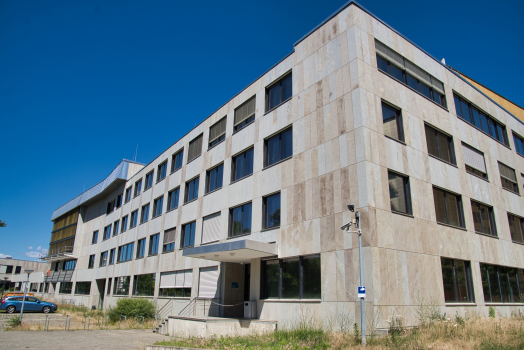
[362, 311]
[23, 301]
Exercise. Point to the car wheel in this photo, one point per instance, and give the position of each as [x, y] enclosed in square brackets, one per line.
[46, 310]
[10, 309]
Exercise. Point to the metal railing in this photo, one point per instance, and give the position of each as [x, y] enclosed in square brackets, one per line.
[125, 321]
[142, 317]
[55, 251]
[201, 308]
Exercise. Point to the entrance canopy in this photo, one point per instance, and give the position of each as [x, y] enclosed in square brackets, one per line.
[236, 251]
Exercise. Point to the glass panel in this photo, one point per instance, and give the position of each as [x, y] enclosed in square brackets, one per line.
[412, 82]
[424, 89]
[212, 180]
[457, 106]
[440, 205]
[246, 219]
[447, 277]
[290, 278]
[287, 88]
[382, 64]
[192, 236]
[485, 220]
[248, 167]
[397, 193]
[272, 275]
[431, 139]
[476, 217]
[312, 281]
[453, 213]
[286, 144]
[504, 284]
[237, 221]
[520, 276]
[443, 145]
[465, 111]
[476, 117]
[273, 150]
[239, 167]
[484, 123]
[437, 98]
[220, 174]
[273, 211]
[396, 73]
[389, 118]
[460, 275]
[492, 129]
[485, 282]
[501, 133]
[494, 283]
[274, 96]
[514, 294]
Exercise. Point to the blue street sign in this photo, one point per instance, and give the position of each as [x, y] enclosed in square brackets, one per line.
[361, 292]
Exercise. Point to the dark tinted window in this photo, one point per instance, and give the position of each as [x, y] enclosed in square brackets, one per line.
[392, 120]
[242, 165]
[516, 225]
[448, 208]
[191, 192]
[440, 145]
[456, 275]
[176, 162]
[483, 219]
[279, 92]
[399, 193]
[214, 178]
[172, 199]
[278, 147]
[188, 235]
[241, 220]
[271, 211]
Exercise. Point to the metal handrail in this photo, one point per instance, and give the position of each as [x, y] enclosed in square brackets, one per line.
[165, 309]
[107, 323]
[125, 321]
[191, 302]
[137, 322]
[87, 323]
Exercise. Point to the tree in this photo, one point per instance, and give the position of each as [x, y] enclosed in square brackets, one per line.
[2, 223]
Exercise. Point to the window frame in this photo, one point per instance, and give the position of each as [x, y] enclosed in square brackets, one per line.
[450, 144]
[170, 197]
[94, 239]
[265, 213]
[112, 254]
[156, 207]
[183, 235]
[231, 220]
[460, 208]
[491, 217]
[138, 188]
[140, 248]
[103, 259]
[278, 82]
[521, 223]
[149, 180]
[266, 147]
[118, 202]
[516, 187]
[468, 284]
[107, 232]
[208, 178]
[192, 142]
[116, 226]
[398, 119]
[91, 261]
[247, 121]
[186, 190]
[500, 271]
[128, 195]
[518, 141]
[218, 139]
[123, 227]
[234, 163]
[144, 217]
[407, 194]
[161, 175]
[133, 222]
[177, 155]
[152, 239]
[128, 254]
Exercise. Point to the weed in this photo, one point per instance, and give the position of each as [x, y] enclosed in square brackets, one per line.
[491, 312]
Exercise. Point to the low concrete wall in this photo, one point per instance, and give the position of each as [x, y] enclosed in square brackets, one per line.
[194, 327]
[162, 347]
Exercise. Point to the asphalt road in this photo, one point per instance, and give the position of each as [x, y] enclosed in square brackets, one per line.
[73, 340]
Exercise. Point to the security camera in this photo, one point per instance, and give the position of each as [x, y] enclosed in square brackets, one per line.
[351, 208]
[345, 226]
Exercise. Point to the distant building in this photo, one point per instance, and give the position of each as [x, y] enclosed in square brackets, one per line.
[247, 205]
[13, 272]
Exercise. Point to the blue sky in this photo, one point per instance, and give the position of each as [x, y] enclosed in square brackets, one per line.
[82, 82]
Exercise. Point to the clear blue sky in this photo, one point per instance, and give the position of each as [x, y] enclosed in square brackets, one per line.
[81, 82]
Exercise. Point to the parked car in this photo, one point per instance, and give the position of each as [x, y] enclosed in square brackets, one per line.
[14, 303]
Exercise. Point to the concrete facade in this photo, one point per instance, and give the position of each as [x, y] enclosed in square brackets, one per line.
[18, 277]
[340, 157]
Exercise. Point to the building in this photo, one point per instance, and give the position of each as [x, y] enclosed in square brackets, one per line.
[12, 271]
[247, 205]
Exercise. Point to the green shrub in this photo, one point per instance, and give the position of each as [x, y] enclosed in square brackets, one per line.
[131, 308]
[491, 312]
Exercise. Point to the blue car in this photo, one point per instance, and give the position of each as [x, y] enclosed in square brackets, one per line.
[14, 303]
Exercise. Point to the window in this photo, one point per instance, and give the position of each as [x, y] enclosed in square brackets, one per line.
[245, 114]
[516, 225]
[18, 270]
[144, 285]
[138, 187]
[502, 284]
[124, 223]
[519, 144]
[483, 219]
[293, 278]
[94, 240]
[176, 162]
[508, 178]
[440, 145]
[41, 287]
[83, 288]
[242, 165]
[112, 256]
[118, 201]
[9, 269]
[107, 232]
[134, 218]
[91, 263]
[103, 259]
[448, 208]
[121, 285]
[141, 248]
[172, 199]
[392, 119]
[399, 193]
[149, 180]
[110, 207]
[214, 178]
[169, 240]
[482, 121]
[157, 206]
[278, 147]
[153, 244]
[240, 220]
[195, 148]
[69, 265]
[475, 163]
[271, 208]
[211, 228]
[128, 193]
[162, 171]
[144, 215]
[116, 225]
[109, 286]
[188, 235]
[279, 92]
[217, 132]
[458, 285]
[176, 284]
[125, 252]
[403, 70]
[191, 192]
[65, 287]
